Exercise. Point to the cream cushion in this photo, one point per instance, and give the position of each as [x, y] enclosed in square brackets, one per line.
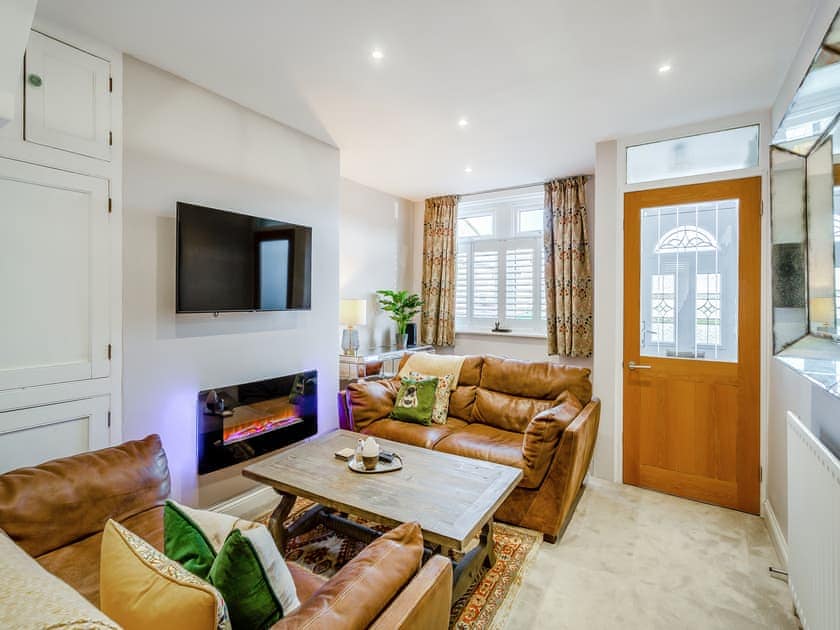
[434, 365]
[33, 598]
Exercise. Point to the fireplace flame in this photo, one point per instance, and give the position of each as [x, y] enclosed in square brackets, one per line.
[259, 426]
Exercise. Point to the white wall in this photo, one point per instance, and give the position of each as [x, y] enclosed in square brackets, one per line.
[375, 252]
[184, 143]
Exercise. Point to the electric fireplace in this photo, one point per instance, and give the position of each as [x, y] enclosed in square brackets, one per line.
[239, 422]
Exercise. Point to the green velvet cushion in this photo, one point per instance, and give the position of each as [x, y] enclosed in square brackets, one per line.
[415, 400]
[238, 557]
[238, 575]
[185, 543]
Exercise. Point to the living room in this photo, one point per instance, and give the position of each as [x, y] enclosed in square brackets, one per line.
[576, 307]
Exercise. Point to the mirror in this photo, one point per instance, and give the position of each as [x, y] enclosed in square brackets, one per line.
[788, 254]
[817, 100]
[822, 272]
[805, 191]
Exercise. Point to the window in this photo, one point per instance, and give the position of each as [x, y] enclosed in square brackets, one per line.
[689, 281]
[715, 152]
[500, 261]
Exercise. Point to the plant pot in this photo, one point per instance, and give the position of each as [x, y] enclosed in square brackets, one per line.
[402, 340]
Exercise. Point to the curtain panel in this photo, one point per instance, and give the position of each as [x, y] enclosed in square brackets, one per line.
[437, 319]
[568, 268]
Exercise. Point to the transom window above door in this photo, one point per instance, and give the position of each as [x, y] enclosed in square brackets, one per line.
[500, 271]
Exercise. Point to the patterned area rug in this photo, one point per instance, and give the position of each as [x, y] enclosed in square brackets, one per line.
[486, 603]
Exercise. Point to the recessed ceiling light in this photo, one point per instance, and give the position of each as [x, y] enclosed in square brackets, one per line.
[468, 169]
[463, 122]
[664, 68]
[377, 54]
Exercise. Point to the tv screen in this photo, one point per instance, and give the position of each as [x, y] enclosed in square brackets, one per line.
[236, 262]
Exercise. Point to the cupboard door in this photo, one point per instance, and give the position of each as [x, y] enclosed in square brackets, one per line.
[54, 275]
[67, 99]
[31, 436]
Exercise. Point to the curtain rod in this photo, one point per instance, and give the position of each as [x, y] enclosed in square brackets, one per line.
[493, 190]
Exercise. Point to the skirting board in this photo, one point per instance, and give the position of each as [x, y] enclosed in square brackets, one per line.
[248, 505]
[776, 536]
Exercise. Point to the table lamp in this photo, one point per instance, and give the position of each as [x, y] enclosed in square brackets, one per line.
[351, 313]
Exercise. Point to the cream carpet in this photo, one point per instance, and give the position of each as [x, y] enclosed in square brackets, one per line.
[633, 558]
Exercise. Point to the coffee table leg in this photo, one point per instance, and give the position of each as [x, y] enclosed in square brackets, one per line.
[487, 538]
[277, 520]
[468, 569]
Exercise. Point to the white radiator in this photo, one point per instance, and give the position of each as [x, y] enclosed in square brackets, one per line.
[813, 528]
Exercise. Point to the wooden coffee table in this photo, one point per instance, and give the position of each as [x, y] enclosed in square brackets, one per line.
[452, 497]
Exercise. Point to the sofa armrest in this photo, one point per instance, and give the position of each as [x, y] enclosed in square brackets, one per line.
[364, 587]
[424, 603]
[367, 401]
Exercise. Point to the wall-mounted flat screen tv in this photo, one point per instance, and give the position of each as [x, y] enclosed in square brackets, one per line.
[236, 262]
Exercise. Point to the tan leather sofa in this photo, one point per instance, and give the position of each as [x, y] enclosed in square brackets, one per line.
[537, 416]
[56, 512]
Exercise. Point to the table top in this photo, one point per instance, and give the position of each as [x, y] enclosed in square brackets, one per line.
[381, 352]
[452, 497]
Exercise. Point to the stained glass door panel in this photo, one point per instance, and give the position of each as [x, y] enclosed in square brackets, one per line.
[689, 281]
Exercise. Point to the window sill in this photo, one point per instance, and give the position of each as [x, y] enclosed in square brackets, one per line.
[524, 334]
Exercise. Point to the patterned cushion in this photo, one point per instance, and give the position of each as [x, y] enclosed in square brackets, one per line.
[415, 400]
[32, 598]
[440, 411]
[142, 588]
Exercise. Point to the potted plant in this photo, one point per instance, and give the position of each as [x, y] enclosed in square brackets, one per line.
[402, 306]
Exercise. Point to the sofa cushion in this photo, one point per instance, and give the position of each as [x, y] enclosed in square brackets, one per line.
[32, 599]
[362, 588]
[505, 411]
[543, 432]
[238, 557]
[414, 434]
[78, 563]
[142, 588]
[415, 400]
[528, 379]
[371, 400]
[481, 441]
[64, 500]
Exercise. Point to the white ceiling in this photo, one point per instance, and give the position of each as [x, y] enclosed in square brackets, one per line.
[541, 81]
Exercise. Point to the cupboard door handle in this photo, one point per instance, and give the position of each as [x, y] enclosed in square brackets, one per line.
[35, 80]
[637, 366]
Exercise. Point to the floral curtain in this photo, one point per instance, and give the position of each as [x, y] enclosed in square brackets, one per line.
[568, 268]
[437, 320]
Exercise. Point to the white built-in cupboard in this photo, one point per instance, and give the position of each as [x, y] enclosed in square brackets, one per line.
[61, 252]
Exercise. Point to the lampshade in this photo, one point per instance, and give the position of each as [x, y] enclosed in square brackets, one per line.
[353, 312]
[822, 310]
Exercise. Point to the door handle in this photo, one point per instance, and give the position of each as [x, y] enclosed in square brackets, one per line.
[632, 365]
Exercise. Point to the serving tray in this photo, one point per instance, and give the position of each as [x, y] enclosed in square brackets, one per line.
[381, 467]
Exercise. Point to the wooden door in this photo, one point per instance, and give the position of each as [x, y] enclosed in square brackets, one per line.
[54, 272]
[67, 98]
[691, 341]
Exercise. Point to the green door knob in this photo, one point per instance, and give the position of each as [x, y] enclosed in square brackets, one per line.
[35, 80]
